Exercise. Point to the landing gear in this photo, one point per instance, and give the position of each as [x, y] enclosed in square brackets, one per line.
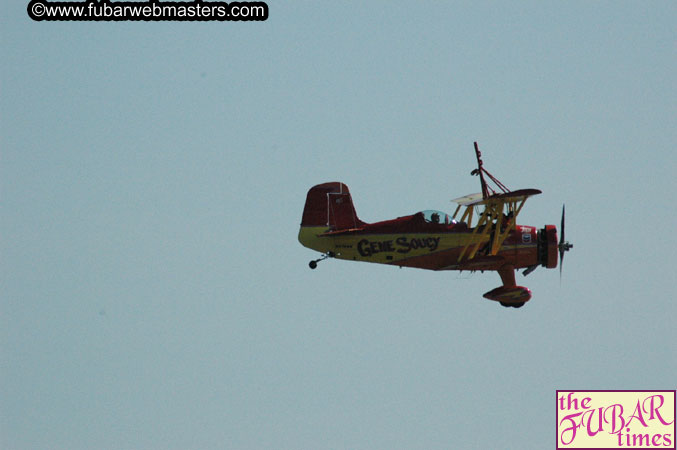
[313, 264]
[512, 305]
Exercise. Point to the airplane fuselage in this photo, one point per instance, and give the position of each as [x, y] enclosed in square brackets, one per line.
[433, 249]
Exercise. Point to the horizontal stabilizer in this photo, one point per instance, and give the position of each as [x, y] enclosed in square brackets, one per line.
[341, 232]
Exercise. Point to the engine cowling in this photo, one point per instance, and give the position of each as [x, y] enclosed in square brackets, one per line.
[547, 246]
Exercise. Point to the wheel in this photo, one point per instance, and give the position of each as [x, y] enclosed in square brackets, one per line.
[312, 264]
[518, 305]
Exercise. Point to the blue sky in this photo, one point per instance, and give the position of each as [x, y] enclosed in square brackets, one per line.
[153, 175]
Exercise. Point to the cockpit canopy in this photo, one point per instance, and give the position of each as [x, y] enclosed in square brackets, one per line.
[434, 216]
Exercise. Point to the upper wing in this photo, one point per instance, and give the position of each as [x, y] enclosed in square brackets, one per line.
[470, 199]
[512, 196]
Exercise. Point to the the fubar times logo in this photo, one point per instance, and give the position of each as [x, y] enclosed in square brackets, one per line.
[615, 419]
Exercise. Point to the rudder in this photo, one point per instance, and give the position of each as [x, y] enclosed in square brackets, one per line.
[330, 205]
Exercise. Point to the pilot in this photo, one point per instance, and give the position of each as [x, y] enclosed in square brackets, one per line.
[507, 218]
[435, 218]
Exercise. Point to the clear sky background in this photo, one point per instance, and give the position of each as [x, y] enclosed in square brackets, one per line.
[153, 176]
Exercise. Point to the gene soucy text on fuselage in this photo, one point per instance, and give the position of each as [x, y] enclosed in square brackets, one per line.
[401, 245]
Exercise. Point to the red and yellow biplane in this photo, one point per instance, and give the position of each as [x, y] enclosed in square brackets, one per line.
[482, 234]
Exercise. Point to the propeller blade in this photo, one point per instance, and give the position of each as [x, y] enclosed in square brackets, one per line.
[564, 246]
[561, 241]
[561, 238]
[561, 263]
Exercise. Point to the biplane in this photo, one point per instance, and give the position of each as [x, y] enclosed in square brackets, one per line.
[482, 234]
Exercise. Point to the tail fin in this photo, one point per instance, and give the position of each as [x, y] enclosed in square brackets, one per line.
[330, 205]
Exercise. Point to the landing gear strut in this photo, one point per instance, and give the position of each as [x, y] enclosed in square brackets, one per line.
[313, 264]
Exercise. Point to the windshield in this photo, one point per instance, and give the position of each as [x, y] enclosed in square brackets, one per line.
[434, 216]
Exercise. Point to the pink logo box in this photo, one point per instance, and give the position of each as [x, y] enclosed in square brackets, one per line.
[599, 419]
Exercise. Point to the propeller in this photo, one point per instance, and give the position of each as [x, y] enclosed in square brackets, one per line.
[563, 246]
